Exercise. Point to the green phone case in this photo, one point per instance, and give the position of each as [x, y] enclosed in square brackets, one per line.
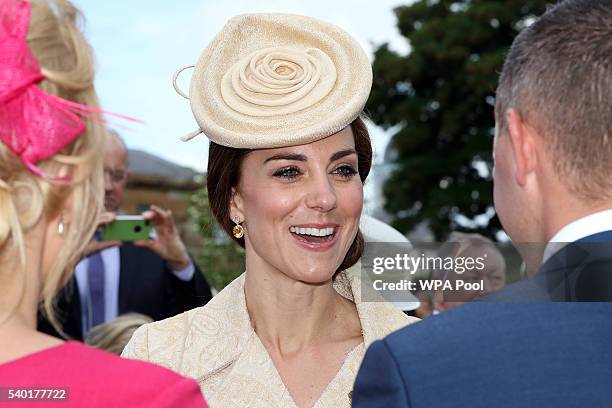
[126, 229]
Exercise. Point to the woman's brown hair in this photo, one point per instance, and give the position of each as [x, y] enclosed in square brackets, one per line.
[224, 165]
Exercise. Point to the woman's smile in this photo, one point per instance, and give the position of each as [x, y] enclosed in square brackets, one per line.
[315, 237]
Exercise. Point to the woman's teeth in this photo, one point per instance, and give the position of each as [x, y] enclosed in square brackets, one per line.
[315, 232]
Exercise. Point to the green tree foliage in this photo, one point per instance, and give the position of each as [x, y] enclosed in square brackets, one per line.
[216, 254]
[439, 101]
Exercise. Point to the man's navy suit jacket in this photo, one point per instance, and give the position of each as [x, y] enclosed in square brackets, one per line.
[506, 351]
[146, 285]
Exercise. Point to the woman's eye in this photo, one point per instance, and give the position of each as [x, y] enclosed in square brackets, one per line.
[345, 171]
[287, 173]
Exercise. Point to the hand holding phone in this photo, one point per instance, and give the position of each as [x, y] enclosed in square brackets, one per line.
[94, 244]
[167, 242]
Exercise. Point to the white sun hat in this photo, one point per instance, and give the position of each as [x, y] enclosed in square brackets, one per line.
[374, 230]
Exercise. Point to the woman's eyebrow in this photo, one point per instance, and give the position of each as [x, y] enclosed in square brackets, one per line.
[303, 158]
[340, 154]
[287, 156]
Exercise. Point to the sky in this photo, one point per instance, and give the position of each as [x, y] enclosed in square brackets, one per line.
[139, 44]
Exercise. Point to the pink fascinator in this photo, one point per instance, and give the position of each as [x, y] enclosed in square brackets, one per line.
[34, 125]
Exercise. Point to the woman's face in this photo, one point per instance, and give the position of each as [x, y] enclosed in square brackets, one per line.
[300, 206]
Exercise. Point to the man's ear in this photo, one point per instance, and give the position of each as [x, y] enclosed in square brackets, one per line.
[522, 140]
[236, 205]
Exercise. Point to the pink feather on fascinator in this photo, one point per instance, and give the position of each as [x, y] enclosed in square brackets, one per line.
[34, 125]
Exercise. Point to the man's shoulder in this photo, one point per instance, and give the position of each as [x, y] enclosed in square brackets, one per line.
[491, 330]
[460, 322]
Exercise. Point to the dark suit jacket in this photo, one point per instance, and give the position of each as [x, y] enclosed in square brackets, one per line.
[518, 348]
[146, 285]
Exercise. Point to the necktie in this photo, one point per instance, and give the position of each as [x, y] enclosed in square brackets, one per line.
[95, 279]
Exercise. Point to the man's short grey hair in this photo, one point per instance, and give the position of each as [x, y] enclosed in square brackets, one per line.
[558, 77]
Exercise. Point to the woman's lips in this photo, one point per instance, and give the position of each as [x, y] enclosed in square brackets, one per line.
[316, 246]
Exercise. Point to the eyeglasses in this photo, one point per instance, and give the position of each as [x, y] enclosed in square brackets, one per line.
[116, 175]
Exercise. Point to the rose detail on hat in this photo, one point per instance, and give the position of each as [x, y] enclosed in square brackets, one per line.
[278, 81]
[270, 80]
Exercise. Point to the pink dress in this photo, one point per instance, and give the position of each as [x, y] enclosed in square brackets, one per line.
[81, 376]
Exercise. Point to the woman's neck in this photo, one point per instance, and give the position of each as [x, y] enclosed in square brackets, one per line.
[20, 295]
[19, 338]
[18, 335]
[20, 291]
[290, 315]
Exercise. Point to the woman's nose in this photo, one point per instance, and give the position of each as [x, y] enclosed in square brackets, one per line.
[321, 194]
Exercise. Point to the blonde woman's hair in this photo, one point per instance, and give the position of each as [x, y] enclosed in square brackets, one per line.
[113, 336]
[66, 60]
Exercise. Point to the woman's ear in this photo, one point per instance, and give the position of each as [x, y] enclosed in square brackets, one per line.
[236, 206]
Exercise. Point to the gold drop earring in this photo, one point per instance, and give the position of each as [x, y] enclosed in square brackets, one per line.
[238, 230]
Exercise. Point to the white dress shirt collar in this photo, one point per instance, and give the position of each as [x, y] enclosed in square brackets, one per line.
[578, 229]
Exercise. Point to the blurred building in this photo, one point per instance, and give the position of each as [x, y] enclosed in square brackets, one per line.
[153, 180]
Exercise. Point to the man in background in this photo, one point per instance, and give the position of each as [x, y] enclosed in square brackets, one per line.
[491, 274]
[552, 185]
[154, 277]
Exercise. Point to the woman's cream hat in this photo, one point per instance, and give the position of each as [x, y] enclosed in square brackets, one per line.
[273, 80]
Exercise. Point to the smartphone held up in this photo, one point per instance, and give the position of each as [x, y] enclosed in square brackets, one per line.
[127, 228]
